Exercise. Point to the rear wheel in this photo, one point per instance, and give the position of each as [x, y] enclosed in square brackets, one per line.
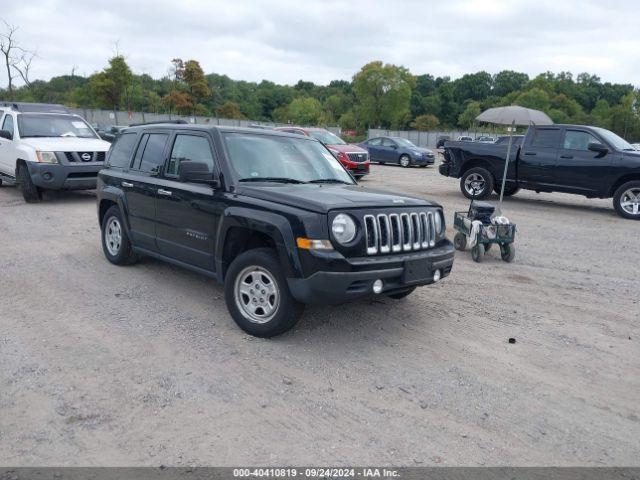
[626, 200]
[460, 241]
[476, 183]
[115, 241]
[477, 252]
[401, 295]
[405, 161]
[30, 192]
[508, 252]
[257, 294]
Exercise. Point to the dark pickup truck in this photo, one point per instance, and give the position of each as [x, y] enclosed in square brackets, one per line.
[588, 161]
[274, 216]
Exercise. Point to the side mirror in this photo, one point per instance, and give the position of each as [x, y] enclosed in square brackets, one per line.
[395, 147]
[597, 147]
[196, 172]
[6, 134]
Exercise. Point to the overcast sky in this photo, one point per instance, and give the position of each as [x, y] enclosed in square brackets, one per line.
[287, 40]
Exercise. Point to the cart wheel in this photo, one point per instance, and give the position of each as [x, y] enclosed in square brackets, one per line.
[460, 241]
[477, 252]
[508, 252]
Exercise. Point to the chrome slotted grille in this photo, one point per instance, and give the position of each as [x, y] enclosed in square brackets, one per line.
[358, 157]
[397, 232]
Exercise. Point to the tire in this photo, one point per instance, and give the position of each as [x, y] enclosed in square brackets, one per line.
[405, 160]
[30, 192]
[508, 191]
[626, 200]
[272, 292]
[478, 180]
[401, 295]
[0, 182]
[508, 252]
[477, 252]
[115, 241]
[460, 241]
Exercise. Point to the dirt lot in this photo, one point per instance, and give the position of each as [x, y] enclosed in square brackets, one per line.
[142, 365]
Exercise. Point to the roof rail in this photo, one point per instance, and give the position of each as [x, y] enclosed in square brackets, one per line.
[160, 122]
[36, 107]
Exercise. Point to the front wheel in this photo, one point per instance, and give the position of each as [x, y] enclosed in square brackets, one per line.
[405, 161]
[257, 294]
[508, 252]
[30, 192]
[460, 241]
[476, 183]
[626, 200]
[477, 252]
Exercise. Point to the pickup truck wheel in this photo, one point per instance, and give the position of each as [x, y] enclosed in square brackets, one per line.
[405, 161]
[626, 200]
[257, 294]
[508, 191]
[476, 183]
[401, 295]
[460, 241]
[477, 252]
[30, 192]
[115, 242]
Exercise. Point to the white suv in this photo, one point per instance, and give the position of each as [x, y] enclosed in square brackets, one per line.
[45, 147]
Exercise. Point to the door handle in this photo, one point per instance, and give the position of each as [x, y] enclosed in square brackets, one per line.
[127, 184]
[566, 156]
[166, 193]
[530, 153]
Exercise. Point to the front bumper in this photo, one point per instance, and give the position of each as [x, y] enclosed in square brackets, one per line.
[332, 287]
[444, 169]
[64, 177]
[424, 160]
[358, 168]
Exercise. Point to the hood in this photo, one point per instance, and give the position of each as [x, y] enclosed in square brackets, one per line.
[323, 198]
[348, 148]
[67, 144]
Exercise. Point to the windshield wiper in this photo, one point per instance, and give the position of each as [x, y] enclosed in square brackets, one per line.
[329, 180]
[271, 179]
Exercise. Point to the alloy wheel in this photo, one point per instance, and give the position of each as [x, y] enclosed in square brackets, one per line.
[630, 201]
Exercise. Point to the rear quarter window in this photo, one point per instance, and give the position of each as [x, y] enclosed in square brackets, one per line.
[546, 138]
[121, 150]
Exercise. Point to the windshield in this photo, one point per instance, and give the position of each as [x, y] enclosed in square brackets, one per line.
[613, 139]
[404, 142]
[282, 159]
[49, 125]
[327, 137]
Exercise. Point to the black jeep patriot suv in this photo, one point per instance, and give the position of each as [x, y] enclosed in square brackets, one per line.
[272, 215]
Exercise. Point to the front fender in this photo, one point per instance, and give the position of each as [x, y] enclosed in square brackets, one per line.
[115, 195]
[274, 225]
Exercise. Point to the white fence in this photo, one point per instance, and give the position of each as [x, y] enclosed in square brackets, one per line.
[426, 139]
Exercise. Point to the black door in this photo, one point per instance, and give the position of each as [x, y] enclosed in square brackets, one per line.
[538, 157]
[140, 188]
[187, 213]
[580, 170]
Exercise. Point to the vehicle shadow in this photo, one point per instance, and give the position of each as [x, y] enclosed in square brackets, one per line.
[50, 196]
[557, 205]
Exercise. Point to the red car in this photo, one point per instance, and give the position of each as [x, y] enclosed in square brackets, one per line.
[354, 158]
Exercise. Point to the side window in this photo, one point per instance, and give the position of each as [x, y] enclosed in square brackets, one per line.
[189, 148]
[149, 156]
[374, 142]
[578, 140]
[7, 124]
[545, 138]
[387, 143]
[121, 150]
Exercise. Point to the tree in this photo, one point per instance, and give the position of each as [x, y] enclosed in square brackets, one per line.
[383, 94]
[230, 110]
[472, 86]
[110, 85]
[178, 101]
[304, 111]
[17, 60]
[508, 81]
[466, 118]
[535, 98]
[425, 123]
[196, 83]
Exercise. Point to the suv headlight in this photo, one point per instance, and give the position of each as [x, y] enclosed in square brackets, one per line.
[46, 157]
[343, 228]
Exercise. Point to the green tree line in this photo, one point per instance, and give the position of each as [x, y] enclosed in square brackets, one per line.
[378, 96]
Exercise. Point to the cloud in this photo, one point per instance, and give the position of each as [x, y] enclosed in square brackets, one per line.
[286, 40]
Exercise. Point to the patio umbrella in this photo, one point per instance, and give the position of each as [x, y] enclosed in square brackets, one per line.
[512, 115]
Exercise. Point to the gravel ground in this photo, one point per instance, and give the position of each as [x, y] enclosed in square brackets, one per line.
[142, 365]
